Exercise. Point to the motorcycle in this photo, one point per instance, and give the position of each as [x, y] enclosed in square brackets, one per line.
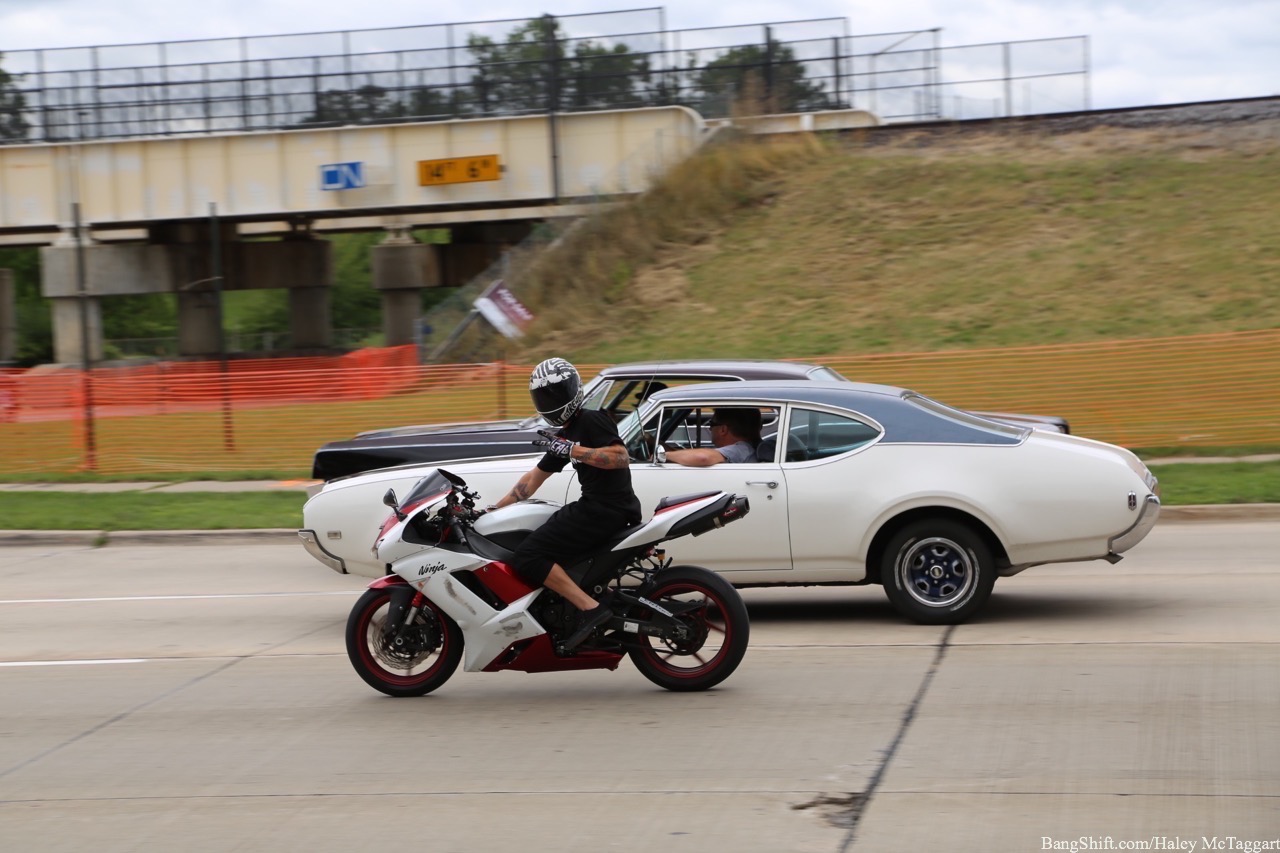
[450, 596]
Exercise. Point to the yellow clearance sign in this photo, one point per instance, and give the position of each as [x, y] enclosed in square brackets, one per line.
[459, 170]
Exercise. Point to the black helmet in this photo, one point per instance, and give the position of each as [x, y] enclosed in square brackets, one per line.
[556, 389]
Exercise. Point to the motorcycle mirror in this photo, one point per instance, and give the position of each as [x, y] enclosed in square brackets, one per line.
[392, 501]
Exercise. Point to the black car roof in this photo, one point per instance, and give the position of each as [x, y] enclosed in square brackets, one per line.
[744, 368]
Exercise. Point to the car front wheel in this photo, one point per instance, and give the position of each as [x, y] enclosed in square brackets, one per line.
[937, 572]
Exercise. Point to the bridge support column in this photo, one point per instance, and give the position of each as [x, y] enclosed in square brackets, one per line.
[310, 313]
[8, 317]
[402, 267]
[472, 249]
[199, 316]
[68, 337]
[108, 270]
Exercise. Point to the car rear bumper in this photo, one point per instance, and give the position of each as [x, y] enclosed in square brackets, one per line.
[1146, 520]
[312, 543]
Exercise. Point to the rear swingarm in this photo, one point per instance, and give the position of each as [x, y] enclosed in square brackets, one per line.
[664, 619]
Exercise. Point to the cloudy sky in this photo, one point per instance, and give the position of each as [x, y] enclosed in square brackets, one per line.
[1141, 52]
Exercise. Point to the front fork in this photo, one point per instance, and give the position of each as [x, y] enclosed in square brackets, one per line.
[404, 605]
[403, 608]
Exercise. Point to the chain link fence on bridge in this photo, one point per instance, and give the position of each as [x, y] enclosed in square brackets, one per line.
[610, 60]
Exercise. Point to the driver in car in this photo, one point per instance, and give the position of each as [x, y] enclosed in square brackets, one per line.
[588, 439]
[735, 432]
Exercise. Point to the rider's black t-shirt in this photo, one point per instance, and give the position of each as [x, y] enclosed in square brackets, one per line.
[608, 486]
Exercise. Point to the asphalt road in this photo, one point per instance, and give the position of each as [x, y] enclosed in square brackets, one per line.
[197, 698]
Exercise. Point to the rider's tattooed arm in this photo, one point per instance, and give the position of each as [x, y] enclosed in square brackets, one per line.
[613, 456]
[524, 487]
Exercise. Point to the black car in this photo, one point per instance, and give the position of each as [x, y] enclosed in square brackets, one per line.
[616, 389]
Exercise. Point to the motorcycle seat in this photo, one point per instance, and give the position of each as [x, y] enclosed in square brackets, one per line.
[675, 500]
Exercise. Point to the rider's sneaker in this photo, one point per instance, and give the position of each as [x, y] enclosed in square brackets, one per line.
[591, 619]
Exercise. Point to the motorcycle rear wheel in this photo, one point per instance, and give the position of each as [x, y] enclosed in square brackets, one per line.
[397, 672]
[720, 630]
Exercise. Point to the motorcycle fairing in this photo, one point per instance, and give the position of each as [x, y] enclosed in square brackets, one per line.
[660, 526]
[538, 655]
[489, 632]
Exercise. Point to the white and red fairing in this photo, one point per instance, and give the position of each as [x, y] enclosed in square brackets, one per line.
[490, 633]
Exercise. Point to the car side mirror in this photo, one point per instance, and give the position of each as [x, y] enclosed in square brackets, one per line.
[659, 454]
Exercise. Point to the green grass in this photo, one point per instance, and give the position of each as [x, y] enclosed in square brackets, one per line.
[808, 249]
[1191, 483]
[1182, 484]
[150, 511]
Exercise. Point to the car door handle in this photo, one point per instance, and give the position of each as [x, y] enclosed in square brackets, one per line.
[773, 484]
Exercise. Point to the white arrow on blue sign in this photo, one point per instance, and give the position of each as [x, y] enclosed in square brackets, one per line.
[342, 176]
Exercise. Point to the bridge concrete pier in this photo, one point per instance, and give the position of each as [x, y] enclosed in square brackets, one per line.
[179, 259]
[401, 268]
[8, 317]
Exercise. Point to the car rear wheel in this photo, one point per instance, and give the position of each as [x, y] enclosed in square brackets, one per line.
[937, 572]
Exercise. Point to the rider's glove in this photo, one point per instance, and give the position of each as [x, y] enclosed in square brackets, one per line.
[554, 444]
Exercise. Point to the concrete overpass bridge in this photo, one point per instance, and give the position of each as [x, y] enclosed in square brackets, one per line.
[194, 215]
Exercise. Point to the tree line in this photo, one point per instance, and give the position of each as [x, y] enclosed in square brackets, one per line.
[536, 68]
[533, 71]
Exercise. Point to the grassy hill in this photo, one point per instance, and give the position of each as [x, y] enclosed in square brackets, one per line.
[908, 242]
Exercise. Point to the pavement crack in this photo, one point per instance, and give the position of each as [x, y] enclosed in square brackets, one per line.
[849, 810]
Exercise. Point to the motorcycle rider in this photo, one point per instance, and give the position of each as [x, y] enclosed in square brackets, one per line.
[588, 439]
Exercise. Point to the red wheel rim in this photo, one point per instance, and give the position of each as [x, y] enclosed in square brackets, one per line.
[369, 632]
[712, 624]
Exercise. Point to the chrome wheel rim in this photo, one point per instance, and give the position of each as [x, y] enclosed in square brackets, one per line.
[936, 572]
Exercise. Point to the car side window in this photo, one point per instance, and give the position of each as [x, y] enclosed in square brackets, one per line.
[815, 434]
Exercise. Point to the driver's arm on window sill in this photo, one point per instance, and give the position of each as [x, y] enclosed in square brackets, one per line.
[696, 457]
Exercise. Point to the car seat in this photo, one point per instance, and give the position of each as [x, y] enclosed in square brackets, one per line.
[768, 447]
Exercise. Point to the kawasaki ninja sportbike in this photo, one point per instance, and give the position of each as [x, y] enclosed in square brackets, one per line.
[451, 596]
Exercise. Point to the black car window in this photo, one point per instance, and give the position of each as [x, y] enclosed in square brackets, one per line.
[684, 426]
[814, 434]
[595, 396]
[627, 394]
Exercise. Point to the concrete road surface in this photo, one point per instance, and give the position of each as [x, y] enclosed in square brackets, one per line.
[198, 698]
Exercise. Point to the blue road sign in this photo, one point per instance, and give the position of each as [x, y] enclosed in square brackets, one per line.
[342, 176]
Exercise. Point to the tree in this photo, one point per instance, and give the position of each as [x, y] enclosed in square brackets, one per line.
[366, 104]
[600, 77]
[13, 125]
[760, 79]
[35, 325]
[518, 75]
[533, 72]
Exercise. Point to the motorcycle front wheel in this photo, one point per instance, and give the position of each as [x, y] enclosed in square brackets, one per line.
[412, 662]
[717, 624]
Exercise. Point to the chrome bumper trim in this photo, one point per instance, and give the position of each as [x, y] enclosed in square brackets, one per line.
[1135, 534]
[312, 543]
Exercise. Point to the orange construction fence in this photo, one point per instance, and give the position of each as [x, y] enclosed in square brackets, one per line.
[270, 415]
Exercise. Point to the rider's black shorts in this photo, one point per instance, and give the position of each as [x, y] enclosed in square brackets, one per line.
[574, 531]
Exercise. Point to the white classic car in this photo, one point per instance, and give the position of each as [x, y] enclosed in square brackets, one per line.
[874, 484]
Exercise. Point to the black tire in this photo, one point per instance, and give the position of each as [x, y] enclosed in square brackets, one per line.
[937, 572]
[378, 664]
[721, 631]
